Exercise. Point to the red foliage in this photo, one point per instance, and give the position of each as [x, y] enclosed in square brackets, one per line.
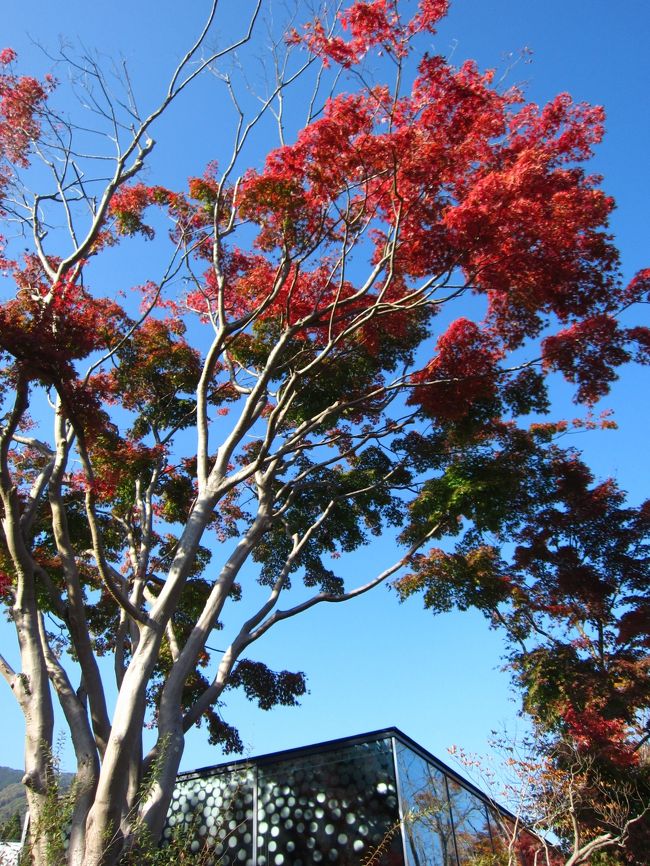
[587, 353]
[48, 326]
[5, 584]
[21, 99]
[389, 206]
[531, 851]
[467, 179]
[607, 738]
[128, 205]
[371, 24]
[462, 374]
[638, 288]
[117, 463]
[635, 624]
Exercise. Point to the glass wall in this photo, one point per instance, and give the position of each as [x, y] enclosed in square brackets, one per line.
[428, 830]
[375, 801]
[471, 826]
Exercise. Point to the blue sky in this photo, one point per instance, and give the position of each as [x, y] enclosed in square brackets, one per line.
[375, 663]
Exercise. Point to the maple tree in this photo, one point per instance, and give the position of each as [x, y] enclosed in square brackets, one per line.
[297, 395]
[581, 655]
[550, 788]
[573, 600]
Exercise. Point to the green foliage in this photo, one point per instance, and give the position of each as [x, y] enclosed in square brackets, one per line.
[267, 687]
[53, 822]
[182, 848]
[457, 580]
[362, 499]
[157, 367]
[11, 829]
[487, 485]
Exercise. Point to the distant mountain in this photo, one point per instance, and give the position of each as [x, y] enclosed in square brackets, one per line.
[12, 792]
[9, 776]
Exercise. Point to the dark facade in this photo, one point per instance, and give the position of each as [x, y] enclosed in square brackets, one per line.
[377, 799]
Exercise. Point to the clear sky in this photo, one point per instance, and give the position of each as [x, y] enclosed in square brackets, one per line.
[374, 663]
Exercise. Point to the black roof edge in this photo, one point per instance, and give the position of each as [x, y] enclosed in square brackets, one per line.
[357, 739]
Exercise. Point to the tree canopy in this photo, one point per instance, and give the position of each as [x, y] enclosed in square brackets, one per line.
[341, 341]
[572, 598]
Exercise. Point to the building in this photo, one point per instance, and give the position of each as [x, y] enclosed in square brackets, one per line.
[377, 799]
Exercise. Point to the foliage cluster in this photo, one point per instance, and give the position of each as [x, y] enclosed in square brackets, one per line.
[572, 599]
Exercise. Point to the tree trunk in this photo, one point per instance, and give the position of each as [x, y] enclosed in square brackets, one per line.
[86, 753]
[163, 769]
[33, 693]
[104, 834]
